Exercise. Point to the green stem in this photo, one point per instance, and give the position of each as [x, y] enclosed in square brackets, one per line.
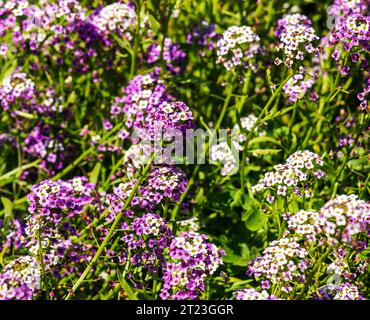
[19, 170]
[110, 232]
[40, 257]
[136, 44]
[258, 122]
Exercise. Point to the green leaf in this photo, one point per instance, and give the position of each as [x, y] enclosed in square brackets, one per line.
[126, 287]
[200, 198]
[265, 151]
[8, 207]
[361, 164]
[255, 221]
[253, 214]
[264, 139]
[72, 98]
[95, 173]
[234, 259]
[123, 43]
[236, 196]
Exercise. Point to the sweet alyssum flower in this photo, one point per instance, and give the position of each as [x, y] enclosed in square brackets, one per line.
[226, 155]
[20, 279]
[296, 36]
[284, 260]
[173, 55]
[341, 221]
[344, 219]
[55, 215]
[20, 97]
[141, 96]
[117, 17]
[297, 87]
[345, 291]
[253, 294]
[191, 260]
[146, 238]
[170, 119]
[353, 32]
[238, 47]
[222, 153]
[304, 223]
[347, 7]
[163, 183]
[292, 176]
[191, 224]
[18, 93]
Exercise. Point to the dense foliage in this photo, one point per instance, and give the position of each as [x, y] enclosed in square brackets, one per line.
[280, 207]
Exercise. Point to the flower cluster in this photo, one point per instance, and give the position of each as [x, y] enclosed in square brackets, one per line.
[13, 238]
[340, 221]
[238, 47]
[345, 291]
[136, 156]
[56, 209]
[297, 87]
[165, 182]
[170, 118]
[119, 18]
[41, 144]
[227, 156]
[222, 153]
[191, 224]
[288, 20]
[143, 95]
[353, 32]
[20, 279]
[147, 238]
[304, 223]
[347, 7]
[191, 260]
[173, 55]
[17, 93]
[296, 37]
[294, 175]
[204, 35]
[344, 219]
[253, 294]
[282, 261]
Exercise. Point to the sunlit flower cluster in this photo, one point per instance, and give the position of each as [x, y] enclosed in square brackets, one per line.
[164, 183]
[253, 294]
[293, 176]
[297, 87]
[227, 154]
[55, 209]
[20, 279]
[344, 291]
[296, 36]
[282, 261]
[117, 17]
[17, 90]
[344, 219]
[352, 32]
[191, 259]
[143, 95]
[238, 47]
[173, 55]
[146, 238]
[347, 7]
